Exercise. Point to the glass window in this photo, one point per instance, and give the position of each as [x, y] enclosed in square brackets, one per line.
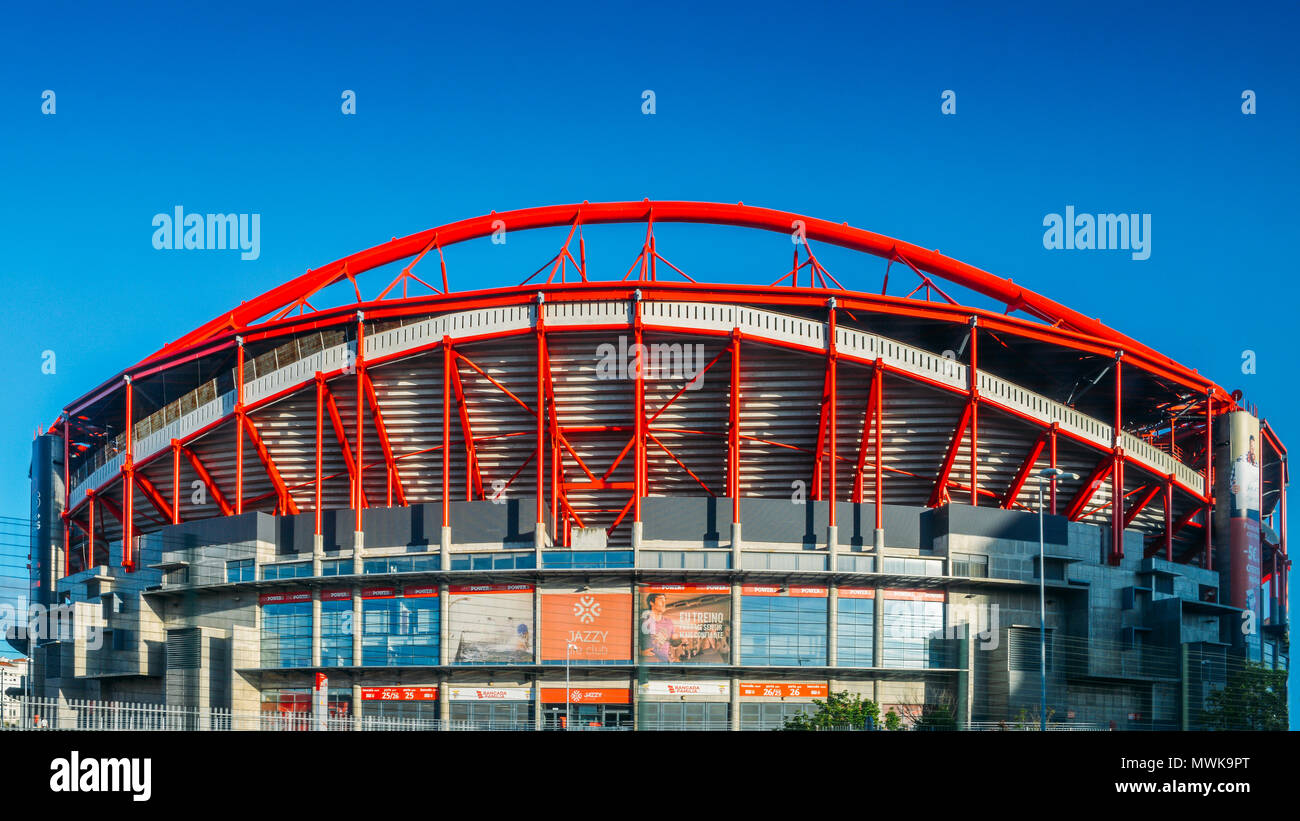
[239, 570]
[336, 567]
[677, 715]
[770, 715]
[399, 632]
[286, 635]
[856, 624]
[499, 715]
[913, 634]
[783, 631]
[336, 633]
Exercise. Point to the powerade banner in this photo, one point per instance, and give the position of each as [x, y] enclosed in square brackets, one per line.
[1242, 450]
[684, 623]
[589, 626]
[490, 623]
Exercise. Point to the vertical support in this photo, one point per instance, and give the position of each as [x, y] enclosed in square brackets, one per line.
[1052, 442]
[539, 530]
[638, 415]
[320, 445]
[67, 492]
[128, 484]
[1117, 471]
[90, 534]
[832, 530]
[878, 375]
[733, 448]
[359, 500]
[239, 425]
[1169, 518]
[973, 385]
[176, 482]
[446, 454]
[1208, 562]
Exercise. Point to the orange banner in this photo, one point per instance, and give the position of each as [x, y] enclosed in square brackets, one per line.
[783, 690]
[588, 695]
[598, 625]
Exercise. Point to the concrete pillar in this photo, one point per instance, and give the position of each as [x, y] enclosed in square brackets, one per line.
[358, 548]
[356, 626]
[315, 626]
[444, 704]
[735, 703]
[444, 547]
[832, 626]
[878, 546]
[965, 678]
[317, 553]
[638, 529]
[537, 623]
[735, 624]
[539, 542]
[878, 624]
[735, 545]
[356, 704]
[444, 634]
[538, 718]
[832, 546]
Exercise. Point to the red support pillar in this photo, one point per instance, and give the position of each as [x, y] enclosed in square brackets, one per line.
[638, 411]
[1117, 472]
[972, 377]
[446, 431]
[320, 448]
[239, 426]
[733, 430]
[832, 370]
[1052, 442]
[359, 500]
[541, 416]
[878, 375]
[90, 533]
[67, 493]
[1169, 518]
[1208, 562]
[128, 485]
[176, 482]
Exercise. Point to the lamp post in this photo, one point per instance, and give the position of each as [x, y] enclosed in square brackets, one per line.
[1052, 474]
[567, 647]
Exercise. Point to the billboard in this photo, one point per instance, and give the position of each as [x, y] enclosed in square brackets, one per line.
[490, 623]
[684, 623]
[1244, 544]
[588, 626]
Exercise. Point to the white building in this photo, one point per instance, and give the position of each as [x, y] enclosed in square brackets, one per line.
[13, 673]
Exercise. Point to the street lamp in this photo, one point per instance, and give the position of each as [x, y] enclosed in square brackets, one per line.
[567, 647]
[1053, 474]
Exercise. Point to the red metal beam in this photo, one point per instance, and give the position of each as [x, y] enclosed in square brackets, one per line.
[359, 500]
[733, 429]
[394, 478]
[1090, 487]
[446, 431]
[151, 493]
[879, 374]
[1145, 499]
[473, 475]
[286, 502]
[940, 489]
[207, 480]
[1026, 467]
[868, 414]
[340, 433]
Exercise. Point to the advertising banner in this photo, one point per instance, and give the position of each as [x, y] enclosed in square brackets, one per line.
[798, 591]
[783, 690]
[284, 597]
[588, 695]
[490, 693]
[591, 626]
[490, 623]
[685, 623]
[399, 693]
[857, 593]
[1244, 548]
[686, 688]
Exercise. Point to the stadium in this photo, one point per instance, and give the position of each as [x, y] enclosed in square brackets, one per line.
[630, 497]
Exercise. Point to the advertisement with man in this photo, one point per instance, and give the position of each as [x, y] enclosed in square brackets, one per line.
[1243, 445]
[592, 626]
[685, 623]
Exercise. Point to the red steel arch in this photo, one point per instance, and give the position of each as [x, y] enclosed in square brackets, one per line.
[1014, 296]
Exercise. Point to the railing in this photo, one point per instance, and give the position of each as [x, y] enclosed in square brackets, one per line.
[295, 362]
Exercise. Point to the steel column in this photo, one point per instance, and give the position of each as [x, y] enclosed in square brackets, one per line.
[733, 430]
[320, 451]
[176, 482]
[128, 486]
[832, 370]
[359, 500]
[1169, 519]
[239, 427]
[446, 432]
[972, 375]
[878, 375]
[1208, 561]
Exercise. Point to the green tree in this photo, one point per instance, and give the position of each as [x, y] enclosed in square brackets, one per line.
[1254, 698]
[839, 711]
[935, 717]
[892, 721]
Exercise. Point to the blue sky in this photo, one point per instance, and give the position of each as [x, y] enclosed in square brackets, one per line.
[819, 109]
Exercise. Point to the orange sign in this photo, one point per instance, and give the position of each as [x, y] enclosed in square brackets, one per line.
[399, 693]
[588, 695]
[913, 595]
[591, 626]
[783, 690]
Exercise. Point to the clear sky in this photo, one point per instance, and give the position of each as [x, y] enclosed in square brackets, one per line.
[828, 110]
